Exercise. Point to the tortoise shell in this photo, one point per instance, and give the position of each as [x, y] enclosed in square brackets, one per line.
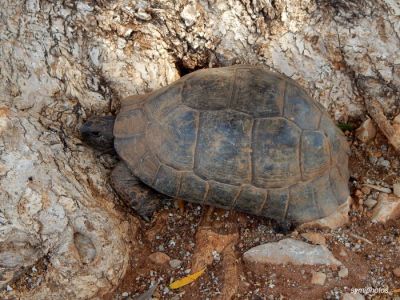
[239, 138]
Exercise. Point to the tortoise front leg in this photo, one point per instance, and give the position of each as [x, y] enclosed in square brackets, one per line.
[144, 200]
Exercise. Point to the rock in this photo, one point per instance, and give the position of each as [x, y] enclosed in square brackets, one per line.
[352, 296]
[388, 208]
[189, 14]
[379, 188]
[383, 163]
[314, 237]
[159, 258]
[125, 294]
[370, 203]
[372, 159]
[318, 278]
[343, 272]
[396, 272]
[396, 189]
[142, 15]
[290, 251]
[366, 131]
[175, 263]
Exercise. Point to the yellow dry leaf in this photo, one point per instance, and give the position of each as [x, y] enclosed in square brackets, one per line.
[186, 280]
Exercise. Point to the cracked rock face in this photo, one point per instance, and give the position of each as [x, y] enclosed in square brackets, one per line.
[62, 61]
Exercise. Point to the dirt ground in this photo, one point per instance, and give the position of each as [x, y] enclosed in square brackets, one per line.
[199, 236]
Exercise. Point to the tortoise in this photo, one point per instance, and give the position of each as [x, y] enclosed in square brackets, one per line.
[238, 137]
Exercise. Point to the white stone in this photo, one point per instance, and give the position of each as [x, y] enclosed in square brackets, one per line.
[353, 296]
[366, 131]
[175, 263]
[142, 15]
[290, 251]
[370, 203]
[189, 14]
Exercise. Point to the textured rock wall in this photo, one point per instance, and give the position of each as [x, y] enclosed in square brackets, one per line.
[62, 61]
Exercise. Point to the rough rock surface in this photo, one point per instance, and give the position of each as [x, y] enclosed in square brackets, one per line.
[366, 131]
[388, 208]
[290, 251]
[62, 61]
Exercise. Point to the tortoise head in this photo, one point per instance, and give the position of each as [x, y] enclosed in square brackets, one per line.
[98, 132]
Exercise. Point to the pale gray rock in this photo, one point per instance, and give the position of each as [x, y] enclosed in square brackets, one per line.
[353, 296]
[290, 251]
[189, 14]
[343, 272]
[175, 263]
[370, 203]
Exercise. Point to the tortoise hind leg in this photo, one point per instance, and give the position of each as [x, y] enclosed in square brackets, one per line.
[134, 193]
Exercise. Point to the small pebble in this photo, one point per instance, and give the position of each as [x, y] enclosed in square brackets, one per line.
[318, 278]
[366, 131]
[216, 256]
[396, 189]
[343, 272]
[142, 15]
[370, 203]
[351, 296]
[9, 288]
[383, 163]
[159, 258]
[189, 14]
[175, 263]
[396, 272]
[125, 294]
[372, 159]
